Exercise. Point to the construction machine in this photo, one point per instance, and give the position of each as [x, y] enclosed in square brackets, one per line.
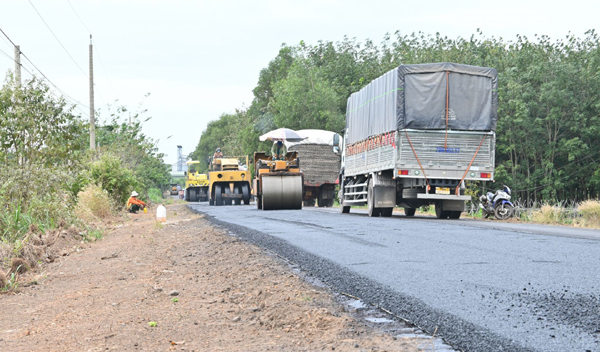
[277, 183]
[196, 184]
[229, 181]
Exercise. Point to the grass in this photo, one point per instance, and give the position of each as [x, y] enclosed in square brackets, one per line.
[155, 195]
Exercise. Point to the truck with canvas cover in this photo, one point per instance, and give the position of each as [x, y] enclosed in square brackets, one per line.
[196, 184]
[320, 166]
[414, 136]
[229, 181]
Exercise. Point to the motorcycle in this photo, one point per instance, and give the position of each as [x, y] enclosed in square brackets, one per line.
[497, 204]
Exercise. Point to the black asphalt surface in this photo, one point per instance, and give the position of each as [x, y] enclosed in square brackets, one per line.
[484, 285]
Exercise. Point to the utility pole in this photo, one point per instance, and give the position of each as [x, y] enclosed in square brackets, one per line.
[18, 65]
[92, 112]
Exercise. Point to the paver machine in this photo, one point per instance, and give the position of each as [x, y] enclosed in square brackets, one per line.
[196, 184]
[229, 181]
[277, 183]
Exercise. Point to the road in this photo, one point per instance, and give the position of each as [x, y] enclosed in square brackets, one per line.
[481, 285]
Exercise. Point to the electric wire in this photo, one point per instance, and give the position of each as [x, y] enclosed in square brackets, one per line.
[58, 40]
[96, 47]
[80, 20]
[63, 94]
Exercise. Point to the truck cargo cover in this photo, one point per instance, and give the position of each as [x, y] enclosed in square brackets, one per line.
[416, 96]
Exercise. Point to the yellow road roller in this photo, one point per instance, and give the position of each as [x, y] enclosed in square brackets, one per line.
[229, 181]
[277, 183]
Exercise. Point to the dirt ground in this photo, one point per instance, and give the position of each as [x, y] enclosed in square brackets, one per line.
[181, 286]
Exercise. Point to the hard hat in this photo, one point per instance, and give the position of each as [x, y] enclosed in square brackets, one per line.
[134, 194]
[218, 150]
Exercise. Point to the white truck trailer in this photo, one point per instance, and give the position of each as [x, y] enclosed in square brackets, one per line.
[414, 136]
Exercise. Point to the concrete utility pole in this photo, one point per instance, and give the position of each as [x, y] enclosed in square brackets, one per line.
[92, 113]
[18, 65]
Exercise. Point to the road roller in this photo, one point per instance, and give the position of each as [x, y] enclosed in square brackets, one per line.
[229, 181]
[277, 183]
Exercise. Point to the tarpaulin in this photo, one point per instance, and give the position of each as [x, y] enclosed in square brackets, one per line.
[435, 96]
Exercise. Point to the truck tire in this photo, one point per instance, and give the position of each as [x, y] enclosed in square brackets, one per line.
[373, 211]
[387, 212]
[455, 214]
[410, 211]
[345, 209]
[439, 213]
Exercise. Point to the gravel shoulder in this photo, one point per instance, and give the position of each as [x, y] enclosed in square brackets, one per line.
[184, 285]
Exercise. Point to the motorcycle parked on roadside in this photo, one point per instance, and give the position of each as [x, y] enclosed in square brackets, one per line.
[497, 204]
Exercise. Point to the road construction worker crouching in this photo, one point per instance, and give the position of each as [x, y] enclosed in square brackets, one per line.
[134, 204]
[278, 151]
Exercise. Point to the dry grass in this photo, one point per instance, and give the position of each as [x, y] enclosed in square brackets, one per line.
[93, 204]
[590, 214]
[549, 214]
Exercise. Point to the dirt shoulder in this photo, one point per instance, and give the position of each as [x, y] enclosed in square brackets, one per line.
[185, 285]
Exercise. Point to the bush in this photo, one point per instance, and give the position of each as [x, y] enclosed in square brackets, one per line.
[109, 173]
[32, 195]
[590, 212]
[93, 203]
[155, 195]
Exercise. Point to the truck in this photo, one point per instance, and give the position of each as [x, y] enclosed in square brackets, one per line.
[414, 135]
[229, 181]
[320, 166]
[196, 184]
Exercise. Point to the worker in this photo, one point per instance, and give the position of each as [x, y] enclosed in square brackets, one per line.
[217, 154]
[278, 150]
[134, 204]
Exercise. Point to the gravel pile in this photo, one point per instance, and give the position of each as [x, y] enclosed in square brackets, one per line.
[318, 163]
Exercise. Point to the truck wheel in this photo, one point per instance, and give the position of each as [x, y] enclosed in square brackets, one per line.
[455, 214]
[345, 209]
[387, 212]
[410, 211]
[439, 213]
[373, 211]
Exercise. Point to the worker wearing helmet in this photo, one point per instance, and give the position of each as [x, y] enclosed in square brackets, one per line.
[134, 204]
[217, 154]
[278, 150]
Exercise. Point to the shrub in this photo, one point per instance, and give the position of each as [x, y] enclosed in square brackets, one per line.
[155, 195]
[590, 212]
[93, 203]
[548, 214]
[109, 173]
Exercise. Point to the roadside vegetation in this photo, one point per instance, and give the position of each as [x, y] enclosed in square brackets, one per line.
[51, 181]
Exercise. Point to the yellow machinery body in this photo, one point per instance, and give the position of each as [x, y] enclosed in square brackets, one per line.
[229, 181]
[277, 183]
[196, 184]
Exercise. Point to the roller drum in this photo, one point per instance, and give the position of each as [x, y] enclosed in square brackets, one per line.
[281, 192]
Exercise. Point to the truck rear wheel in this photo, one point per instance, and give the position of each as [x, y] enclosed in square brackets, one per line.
[373, 211]
[439, 213]
[387, 212]
[410, 211]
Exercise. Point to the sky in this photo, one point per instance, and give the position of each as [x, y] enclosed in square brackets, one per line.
[200, 59]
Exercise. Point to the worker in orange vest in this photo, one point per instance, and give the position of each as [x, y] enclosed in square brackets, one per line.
[134, 204]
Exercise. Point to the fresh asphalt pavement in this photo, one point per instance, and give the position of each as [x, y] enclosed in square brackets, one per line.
[481, 285]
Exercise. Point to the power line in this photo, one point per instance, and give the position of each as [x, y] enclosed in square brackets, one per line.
[80, 20]
[65, 49]
[64, 95]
